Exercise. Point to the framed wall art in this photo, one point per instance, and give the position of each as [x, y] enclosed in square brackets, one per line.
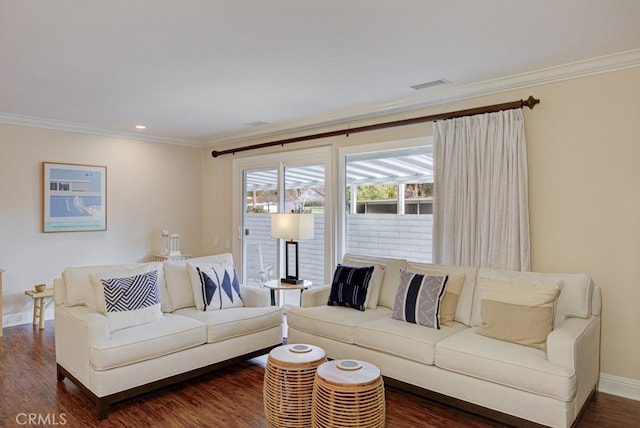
[74, 197]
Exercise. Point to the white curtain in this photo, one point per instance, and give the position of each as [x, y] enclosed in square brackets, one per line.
[481, 208]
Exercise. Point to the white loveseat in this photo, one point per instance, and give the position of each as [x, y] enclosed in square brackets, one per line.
[182, 343]
[517, 384]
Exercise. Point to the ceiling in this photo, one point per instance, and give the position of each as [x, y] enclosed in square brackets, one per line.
[205, 72]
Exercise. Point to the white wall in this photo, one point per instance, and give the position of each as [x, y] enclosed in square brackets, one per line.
[150, 186]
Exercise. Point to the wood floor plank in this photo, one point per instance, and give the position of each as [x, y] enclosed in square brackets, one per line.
[228, 398]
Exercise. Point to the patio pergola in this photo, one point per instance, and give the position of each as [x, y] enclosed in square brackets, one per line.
[387, 167]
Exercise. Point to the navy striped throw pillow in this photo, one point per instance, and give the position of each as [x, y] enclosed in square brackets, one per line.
[349, 286]
[131, 293]
[131, 301]
[418, 298]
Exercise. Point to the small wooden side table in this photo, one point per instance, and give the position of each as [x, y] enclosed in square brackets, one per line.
[38, 304]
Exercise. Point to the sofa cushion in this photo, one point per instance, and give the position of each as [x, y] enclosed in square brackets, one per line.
[80, 291]
[518, 313]
[349, 286]
[418, 299]
[128, 301]
[574, 299]
[505, 363]
[234, 322]
[171, 333]
[178, 285]
[465, 301]
[391, 277]
[375, 284]
[405, 340]
[333, 322]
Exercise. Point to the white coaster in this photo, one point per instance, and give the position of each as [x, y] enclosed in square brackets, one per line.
[349, 365]
[300, 349]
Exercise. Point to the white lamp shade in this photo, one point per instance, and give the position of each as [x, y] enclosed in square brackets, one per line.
[292, 226]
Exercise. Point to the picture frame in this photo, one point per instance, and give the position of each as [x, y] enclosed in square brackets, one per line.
[74, 197]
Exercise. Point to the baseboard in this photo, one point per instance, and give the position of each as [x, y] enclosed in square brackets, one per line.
[21, 318]
[620, 386]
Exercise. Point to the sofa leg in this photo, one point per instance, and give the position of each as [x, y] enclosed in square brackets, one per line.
[59, 374]
[102, 406]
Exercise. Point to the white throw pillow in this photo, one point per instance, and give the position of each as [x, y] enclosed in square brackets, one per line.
[215, 286]
[128, 301]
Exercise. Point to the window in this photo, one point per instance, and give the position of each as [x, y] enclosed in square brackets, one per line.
[388, 200]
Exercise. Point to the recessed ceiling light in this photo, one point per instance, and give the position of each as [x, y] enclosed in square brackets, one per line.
[141, 127]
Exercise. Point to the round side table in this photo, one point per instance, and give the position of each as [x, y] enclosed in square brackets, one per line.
[348, 393]
[276, 285]
[288, 384]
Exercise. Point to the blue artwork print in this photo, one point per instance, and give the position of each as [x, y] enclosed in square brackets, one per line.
[74, 198]
[75, 193]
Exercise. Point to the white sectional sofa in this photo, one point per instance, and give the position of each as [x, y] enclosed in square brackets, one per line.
[182, 343]
[517, 384]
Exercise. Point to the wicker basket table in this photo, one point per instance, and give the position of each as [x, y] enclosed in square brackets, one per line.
[348, 393]
[288, 384]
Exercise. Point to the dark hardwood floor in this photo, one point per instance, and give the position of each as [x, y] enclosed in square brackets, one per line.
[30, 396]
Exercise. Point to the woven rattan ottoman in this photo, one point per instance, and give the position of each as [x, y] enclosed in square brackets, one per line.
[288, 384]
[348, 393]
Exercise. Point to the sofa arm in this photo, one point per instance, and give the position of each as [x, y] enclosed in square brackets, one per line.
[315, 296]
[76, 329]
[572, 336]
[255, 297]
[576, 344]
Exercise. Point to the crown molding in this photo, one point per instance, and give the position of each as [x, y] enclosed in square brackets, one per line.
[37, 122]
[438, 96]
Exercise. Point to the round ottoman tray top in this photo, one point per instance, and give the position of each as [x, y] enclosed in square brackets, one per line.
[349, 365]
[298, 355]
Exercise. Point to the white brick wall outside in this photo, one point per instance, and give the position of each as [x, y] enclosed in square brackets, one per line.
[386, 235]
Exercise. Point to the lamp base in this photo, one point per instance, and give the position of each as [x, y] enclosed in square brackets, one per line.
[292, 280]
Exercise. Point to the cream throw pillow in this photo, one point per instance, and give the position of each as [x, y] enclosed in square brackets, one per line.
[518, 313]
[451, 294]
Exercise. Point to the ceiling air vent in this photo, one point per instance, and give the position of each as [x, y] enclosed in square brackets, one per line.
[257, 123]
[431, 84]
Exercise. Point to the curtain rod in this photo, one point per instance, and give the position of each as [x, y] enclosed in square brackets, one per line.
[529, 102]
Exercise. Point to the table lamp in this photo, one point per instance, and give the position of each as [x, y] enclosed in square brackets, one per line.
[292, 227]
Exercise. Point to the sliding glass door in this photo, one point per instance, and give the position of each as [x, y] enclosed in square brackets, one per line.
[294, 181]
[260, 189]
